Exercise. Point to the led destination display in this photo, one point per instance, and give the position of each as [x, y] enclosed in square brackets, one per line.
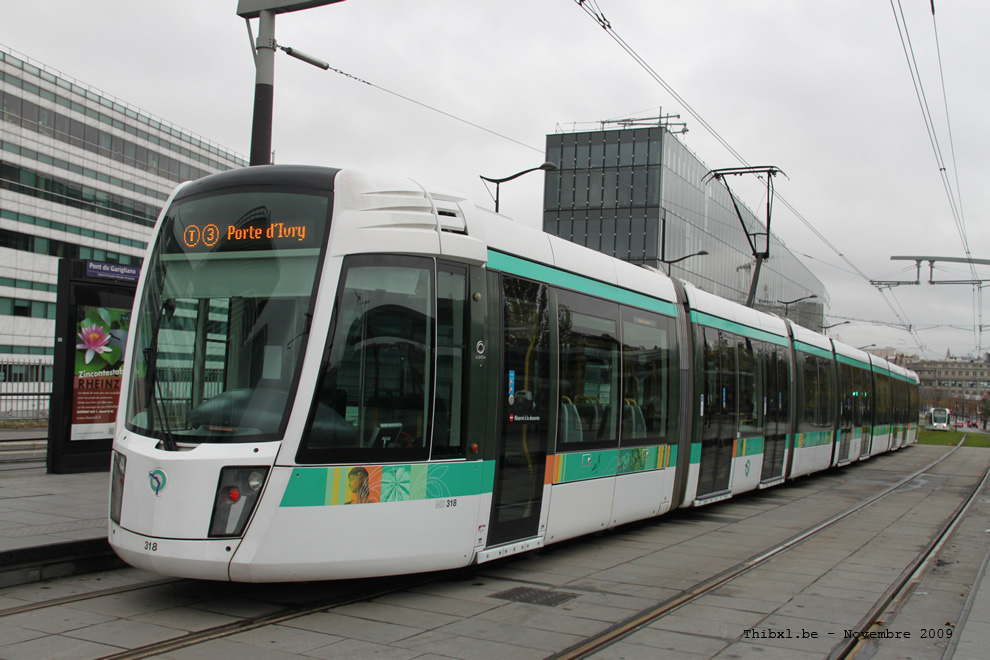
[248, 222]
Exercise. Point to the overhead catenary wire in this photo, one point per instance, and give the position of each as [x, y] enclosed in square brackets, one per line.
[954, 197]
[591, 8]
[435, 109]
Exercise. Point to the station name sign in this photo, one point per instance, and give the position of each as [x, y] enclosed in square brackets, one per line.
[112, 271]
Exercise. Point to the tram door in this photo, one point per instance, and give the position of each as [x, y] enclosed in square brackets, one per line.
[864, 406]
[720, 422]
[524, 406]
[777, 400]
[846, 411]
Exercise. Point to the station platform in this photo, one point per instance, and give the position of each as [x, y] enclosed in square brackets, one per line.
[50, 524]
[814, 588]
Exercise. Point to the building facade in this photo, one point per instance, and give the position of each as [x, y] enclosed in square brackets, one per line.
[955, 383]
[640, 195]
[82, 175]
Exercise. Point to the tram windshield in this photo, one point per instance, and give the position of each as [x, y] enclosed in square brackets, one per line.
[225, 314]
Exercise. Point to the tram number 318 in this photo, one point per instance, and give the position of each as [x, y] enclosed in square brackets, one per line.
[446, 504]
[151, 546]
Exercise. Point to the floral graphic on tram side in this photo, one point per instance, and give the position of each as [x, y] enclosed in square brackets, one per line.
[401, 483]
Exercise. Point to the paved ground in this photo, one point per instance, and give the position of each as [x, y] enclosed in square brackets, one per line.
[37, 509]
[813, 592]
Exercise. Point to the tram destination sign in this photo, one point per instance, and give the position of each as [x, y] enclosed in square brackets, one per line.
[263, 233]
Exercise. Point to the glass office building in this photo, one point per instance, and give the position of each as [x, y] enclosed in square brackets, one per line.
[640, 195]
[82, 175]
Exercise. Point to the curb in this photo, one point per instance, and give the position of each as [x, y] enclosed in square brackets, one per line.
[26, 565]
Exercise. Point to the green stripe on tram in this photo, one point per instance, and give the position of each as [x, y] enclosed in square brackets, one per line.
[737, 328]
[813, 350]
[582, 466]
[542, 273]
[814, 438]
[749, 446]
[852, 361]
[329, 486]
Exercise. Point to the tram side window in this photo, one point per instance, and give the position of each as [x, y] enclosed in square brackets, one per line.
[819, 395]
[712, 401]
[648, 382]
[373, 398]
[884, 411]
[730, 384]
[864, 393]
[903, 402]
[779, 408]
[720, 384]
[750, 401]
[448, 416]
[827, 368]
[589, 373]
[846, 402]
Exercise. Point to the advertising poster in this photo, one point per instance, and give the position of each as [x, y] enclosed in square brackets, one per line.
[101, 335]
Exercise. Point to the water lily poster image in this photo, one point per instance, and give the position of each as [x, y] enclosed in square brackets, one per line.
[101, 336]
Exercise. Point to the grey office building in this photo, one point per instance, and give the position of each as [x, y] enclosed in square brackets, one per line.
[640, 195]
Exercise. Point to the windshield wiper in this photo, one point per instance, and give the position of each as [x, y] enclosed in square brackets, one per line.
[154, 403]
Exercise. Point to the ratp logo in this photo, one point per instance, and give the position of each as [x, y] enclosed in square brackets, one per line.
[157, 480]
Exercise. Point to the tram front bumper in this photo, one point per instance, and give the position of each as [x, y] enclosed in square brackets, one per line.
[201, 560]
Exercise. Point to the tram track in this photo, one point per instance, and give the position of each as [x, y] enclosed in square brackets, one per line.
[844, 649]
[363, 590]
[78, 598]
[389, 585]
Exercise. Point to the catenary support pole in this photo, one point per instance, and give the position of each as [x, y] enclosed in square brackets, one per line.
[264, 90]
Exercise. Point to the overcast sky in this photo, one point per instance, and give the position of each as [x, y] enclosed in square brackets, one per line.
[821, 90]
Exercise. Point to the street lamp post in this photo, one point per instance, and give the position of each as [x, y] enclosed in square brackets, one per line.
[671, 262]
[663, 247]
[829, 327]
[546, 167]
[788, 303]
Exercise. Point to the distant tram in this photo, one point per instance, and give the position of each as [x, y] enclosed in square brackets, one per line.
[334, 374]
[937, 419]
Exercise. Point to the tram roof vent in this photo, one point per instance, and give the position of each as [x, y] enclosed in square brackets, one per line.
[451, 220]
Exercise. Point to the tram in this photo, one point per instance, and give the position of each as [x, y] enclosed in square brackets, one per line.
[334, 374]
[937, 419]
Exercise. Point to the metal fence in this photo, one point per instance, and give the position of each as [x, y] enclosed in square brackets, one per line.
[25, 388]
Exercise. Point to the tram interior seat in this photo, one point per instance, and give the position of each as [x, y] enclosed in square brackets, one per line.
[590, 412]
[633, 420]
[570, 421]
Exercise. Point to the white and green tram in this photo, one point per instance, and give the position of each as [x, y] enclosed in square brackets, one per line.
[334, 374]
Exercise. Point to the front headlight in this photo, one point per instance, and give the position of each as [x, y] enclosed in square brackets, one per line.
[237, 495]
